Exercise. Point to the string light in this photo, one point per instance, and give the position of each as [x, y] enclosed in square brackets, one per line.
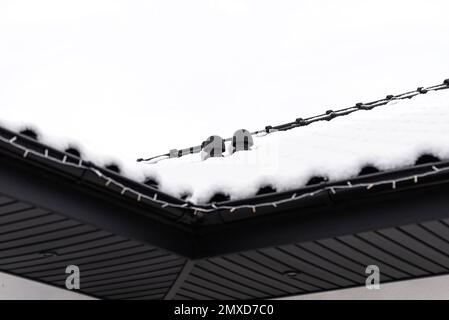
[329, 115]
[213, 207]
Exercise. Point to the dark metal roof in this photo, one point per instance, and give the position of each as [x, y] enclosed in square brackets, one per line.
[53, 215]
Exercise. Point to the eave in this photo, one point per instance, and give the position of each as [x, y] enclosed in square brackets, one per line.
[155, 253]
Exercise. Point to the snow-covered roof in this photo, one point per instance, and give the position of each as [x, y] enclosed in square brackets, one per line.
[389, 136]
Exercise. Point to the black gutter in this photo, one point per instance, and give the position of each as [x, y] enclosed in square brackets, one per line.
[327, 197]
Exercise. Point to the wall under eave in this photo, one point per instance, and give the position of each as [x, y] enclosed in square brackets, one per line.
[16, 288]
[426, 288]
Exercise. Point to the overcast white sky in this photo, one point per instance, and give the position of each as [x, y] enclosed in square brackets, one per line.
[137, 78]
[170, 73]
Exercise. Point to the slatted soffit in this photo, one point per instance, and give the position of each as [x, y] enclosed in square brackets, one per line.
[401, 253]
[39, 244]
[132, 241]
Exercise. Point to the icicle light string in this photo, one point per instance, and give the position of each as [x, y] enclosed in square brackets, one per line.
[214, 207]
[330, 114]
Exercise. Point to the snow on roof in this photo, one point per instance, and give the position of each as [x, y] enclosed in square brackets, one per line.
[387, 137]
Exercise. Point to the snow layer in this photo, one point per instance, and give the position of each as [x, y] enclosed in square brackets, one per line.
[387, 137]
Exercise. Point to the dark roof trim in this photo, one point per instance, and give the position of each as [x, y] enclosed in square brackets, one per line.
[75, 169]
[87, 176]
[327, 216]
[371, 185]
